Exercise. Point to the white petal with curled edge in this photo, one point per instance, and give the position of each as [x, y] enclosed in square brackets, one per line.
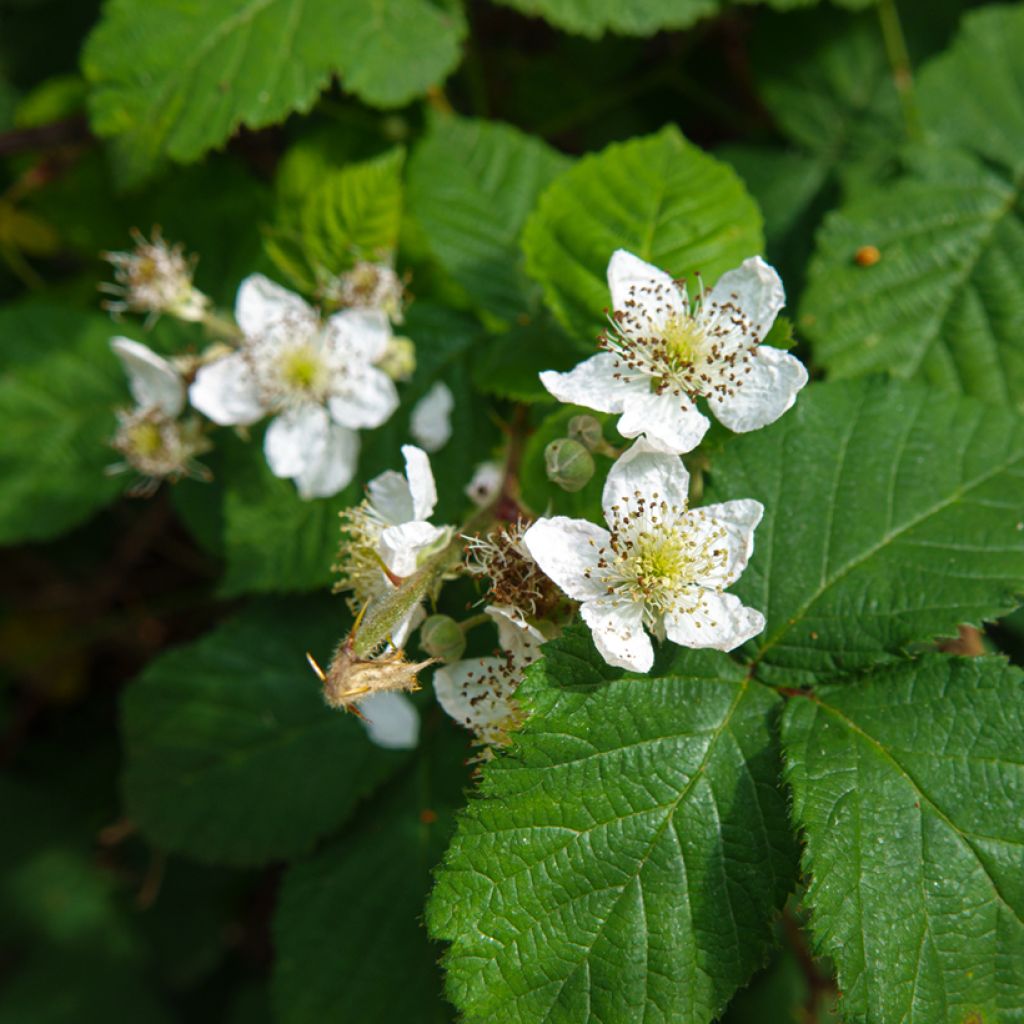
[596, 383]
[391, 720]
[152, 380]
[226, 392]
[762, 395]
[391, 498]
[476, 692]
[333, 467]
[670, 421]
[618, 630]
[421, 481]
[721, 622]
[649, 470]
[368, 399]
[361, 333]
[566, 549]
[295, 438]
[755, 289]
[632, 280]
[262, 305]
[401, 546]
[515, 634]
[738, 519]
[431, 420]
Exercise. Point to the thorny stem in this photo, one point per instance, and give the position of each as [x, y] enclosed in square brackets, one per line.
[899, 62]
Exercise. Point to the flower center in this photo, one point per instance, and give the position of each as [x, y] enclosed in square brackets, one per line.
[145, 439]
[684, 341]
[301, 369]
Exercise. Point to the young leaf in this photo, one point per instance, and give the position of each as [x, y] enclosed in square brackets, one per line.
[907, 786]
[58, 394]
[890, 518]
[471, 186]
[625, 859]
[659, 197]
[176, 80]
[350, 213]
[232, 755]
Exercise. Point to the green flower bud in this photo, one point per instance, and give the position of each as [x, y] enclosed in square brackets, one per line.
[441, 637]
[568, 464]
[587, 431]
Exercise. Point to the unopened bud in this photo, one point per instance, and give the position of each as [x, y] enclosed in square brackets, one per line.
[441, 637]
[568, 464]
[587, 431]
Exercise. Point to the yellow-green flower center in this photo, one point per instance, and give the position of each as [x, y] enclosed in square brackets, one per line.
[301, 368]
[684, 341]
[146, 440]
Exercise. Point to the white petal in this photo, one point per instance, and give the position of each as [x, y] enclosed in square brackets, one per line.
[421, 481]
[631, 280]
[619, 634]
[764, 394]
[669, 421]
[362, 333]
[400, 546]
[400, 634]
[738, 519]
[515, 634]
[431, 421]
[565, 549]
[368, 400]
[756, 289]
[262, 305]
[295, 438]
[652, 472]
[475, 692]
[721, 622]
[391, 498]
[153, 381]
[486, 482]
[391, 720]
[226, 392]
[333, 468]
[594, 384]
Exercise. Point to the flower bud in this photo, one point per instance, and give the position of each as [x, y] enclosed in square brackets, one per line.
[399, 359]
[587, 431]
[441, 637]
[568, 464]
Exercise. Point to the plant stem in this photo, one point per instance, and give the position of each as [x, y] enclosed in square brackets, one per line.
[899, 62]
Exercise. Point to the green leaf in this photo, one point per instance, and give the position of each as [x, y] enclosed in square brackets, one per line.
[508, 364]
[350, 213]
[471, 186]
[890, 518]
[944, 301]
[595, 17]
[231, 754]
[659, 197]
[973, 95]
[58, 391]
[174, 79]
[624, 861]
[347, 916]
[907, 786]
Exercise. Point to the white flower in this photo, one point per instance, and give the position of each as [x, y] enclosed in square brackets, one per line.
[391, 720]
[152, 438]
[478, 692]
[386, 536]
[317, 379]
[154, 278]
[658, 566]
[486, 483]
[431, 421]
[664, 351]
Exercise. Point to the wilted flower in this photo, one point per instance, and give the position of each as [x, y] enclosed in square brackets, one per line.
[658, 567]
[664, 350]
[317, 378]
[154, 278]
[151, 436]
[368, 285]
[478, 692]
[431, 420]
[385, 537]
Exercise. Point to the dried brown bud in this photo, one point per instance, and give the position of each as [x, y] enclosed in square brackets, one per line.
[349, 678]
